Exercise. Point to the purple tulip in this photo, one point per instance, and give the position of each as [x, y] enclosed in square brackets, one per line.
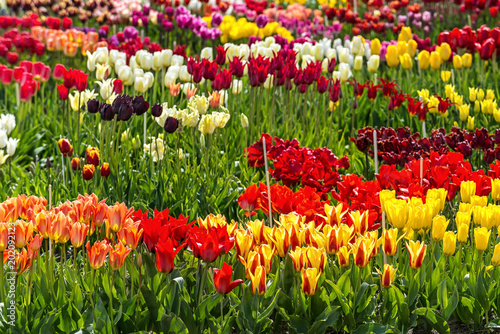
[216, 20]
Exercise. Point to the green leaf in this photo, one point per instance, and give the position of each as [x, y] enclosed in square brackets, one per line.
[433, 319]
[371, 328]
[298, 323]
[325, 320]
[482, 292]
[170, 323]
[269, 309]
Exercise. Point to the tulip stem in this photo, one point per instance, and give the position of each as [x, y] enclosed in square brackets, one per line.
[2, 292]
[92, 297]
[111, 300]
[222, 311]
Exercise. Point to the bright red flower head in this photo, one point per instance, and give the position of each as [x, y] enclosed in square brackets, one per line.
[222, 279]
[165, 255]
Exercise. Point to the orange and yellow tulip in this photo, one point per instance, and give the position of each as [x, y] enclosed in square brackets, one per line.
[417, 253]
[78, 234]
[310, 279]
[117, 255]
[97, 253]
[258, 279]
[387, 276]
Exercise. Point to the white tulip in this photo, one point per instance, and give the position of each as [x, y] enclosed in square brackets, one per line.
[150, 79]
[7, 122]
[140, 84]
[344, 55]
[207, 53]
[356, 45]
[3, 138]
[184, 74]
[243, 51]
[236, 86]
[166, 57]
[358, 63]
[344, 72]
[125, 75]
[373, 63]
[157, 63]
[177, 60]
[317, 51]
[11, 146]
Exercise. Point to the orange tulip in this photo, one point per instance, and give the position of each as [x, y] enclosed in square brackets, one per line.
[417, 253]
[97, 253]
[117, 216]
[92, 37]
[36, 243]
[130, 234]
[175, 89]
[4, 236]
[70, 49]
[42, 223]
[78, 234]
[59, 228]
[118, 255]
[24, 259]
[23, 233]
[101, 213]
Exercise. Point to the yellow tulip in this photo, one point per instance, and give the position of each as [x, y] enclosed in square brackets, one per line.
[478, 200]
[439, 225]
[397, 212]
[467, 60]
[445, 76]
[297, 257]
[490, 95]
[495, 189]
[384, 196]
[470, 123]
[360, 221]
[375, 46]
[467, 189]
[480, 94]
[420, 217]
[405, 34]
[392, 56]
[334, 214]
[401, 48]
[464, 112]
[406, 61]
[481, 237]
[457, 62]
[462, 232]
[472, 94]
[463, 217]
[449, 243]
[412, 48]
[445, 51]
[495, 259]
[424, 95]
[423, 59]
[435, 60]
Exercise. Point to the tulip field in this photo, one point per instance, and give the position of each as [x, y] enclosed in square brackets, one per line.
[249, 166]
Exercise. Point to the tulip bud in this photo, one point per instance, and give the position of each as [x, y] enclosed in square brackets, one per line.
[457, 62]
[75, 163]
[445, 51]
[470, 123]
[105, 170]
[467, 60]
[464, 112]
[156, 110]
[375, 46]
[435, 60]
[445, 76]
[88, 172]
[391, 56]
[495, 259]
[244, 121]
[449, 243]
[358, 63]
[424, 59]
[373, 63]
[387, 277]
[406, 61]
[65, 147]
[344, 72]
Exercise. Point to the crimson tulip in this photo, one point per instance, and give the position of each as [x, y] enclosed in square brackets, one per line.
[165, 255]
[222, 279]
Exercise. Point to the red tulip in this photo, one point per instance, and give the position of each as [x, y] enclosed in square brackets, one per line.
[58, 73]
[12, 58]
[6, 76]
[494, 11]
[117, 86]
[63, 92]
[165, 255]
[220, 58]
[486, 49]
[222, 279]
[88, 172]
